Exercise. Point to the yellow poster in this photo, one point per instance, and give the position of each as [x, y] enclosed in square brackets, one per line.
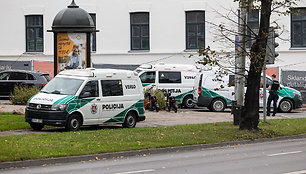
[71, 51]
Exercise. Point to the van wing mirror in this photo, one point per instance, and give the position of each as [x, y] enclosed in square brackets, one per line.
[85, 95]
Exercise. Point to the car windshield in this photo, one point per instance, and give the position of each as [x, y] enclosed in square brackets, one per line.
[63, 86]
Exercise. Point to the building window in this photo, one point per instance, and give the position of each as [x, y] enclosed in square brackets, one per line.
[94, 34]
[298, 27]
[34, 33]
[252, 27]
[140, 39]
[195, 29]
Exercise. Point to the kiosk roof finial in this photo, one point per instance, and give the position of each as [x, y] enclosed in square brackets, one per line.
[73, 5]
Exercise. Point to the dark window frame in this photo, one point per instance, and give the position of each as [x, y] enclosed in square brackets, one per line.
[141, 26]
[232, 78]
[94, 34]
[252, 25]
[300, 21]
[34, 28]
[197, 36]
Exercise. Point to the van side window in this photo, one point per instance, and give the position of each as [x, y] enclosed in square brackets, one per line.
[169, 77]
[112, 88]
[91, 87]
[148, 77]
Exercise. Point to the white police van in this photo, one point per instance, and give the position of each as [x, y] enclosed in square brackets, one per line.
[88, 97]
[177, 79]
[209, 93]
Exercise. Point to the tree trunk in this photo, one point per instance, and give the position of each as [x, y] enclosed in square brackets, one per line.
[250, 112]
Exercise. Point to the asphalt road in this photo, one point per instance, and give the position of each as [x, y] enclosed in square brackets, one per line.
[280, 157]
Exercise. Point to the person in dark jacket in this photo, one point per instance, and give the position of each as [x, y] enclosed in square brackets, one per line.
[273, 87]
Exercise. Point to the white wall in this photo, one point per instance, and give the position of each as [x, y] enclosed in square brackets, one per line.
[167, 30]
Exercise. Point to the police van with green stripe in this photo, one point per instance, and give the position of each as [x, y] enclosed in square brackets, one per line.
[217, 94]
[88, 97]
[177, 79]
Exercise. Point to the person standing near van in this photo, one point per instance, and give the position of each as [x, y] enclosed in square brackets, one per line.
[273, 87]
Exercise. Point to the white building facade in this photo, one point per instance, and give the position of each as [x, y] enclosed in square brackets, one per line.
[133, 32]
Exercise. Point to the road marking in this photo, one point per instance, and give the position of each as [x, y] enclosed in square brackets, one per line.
[297, 172]
[140, 171]
[286, 153]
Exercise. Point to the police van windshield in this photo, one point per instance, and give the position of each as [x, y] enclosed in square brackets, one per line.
[63, 86]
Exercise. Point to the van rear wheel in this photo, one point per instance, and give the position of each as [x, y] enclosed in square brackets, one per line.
[217, 105]
[285, 106]
[130, 120]
[188, 102]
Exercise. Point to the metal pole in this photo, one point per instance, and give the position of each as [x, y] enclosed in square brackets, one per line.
[32, 65]
[264, 92]
[240, 60]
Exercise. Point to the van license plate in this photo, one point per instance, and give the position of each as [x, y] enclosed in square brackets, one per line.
[34, 120]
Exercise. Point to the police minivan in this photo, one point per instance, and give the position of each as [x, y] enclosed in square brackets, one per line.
[216, 95]
[88, 97]
[177, 79]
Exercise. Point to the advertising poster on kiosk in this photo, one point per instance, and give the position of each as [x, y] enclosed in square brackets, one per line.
[71, 51]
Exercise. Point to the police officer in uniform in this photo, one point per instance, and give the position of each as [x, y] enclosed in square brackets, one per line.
[273, 87]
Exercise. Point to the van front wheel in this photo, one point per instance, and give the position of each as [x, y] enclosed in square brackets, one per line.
[217, 105]
[74, 123]
[36, 126]
[130, 120]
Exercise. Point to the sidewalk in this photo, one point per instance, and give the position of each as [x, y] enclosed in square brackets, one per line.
[6, 106]
[10, 108]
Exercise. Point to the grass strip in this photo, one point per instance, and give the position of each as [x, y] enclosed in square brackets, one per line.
[9, 121]
[59, 144]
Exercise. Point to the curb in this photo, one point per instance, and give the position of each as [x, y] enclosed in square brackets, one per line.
[103, 156]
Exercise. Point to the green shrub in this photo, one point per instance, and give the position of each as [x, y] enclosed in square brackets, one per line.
[159, 96]
[22, 94]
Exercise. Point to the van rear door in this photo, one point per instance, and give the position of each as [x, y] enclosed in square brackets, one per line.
[148, 79]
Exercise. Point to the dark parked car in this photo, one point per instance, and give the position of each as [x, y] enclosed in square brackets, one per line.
[10, 78]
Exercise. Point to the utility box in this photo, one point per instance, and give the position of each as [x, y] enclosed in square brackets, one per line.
[236, 112]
